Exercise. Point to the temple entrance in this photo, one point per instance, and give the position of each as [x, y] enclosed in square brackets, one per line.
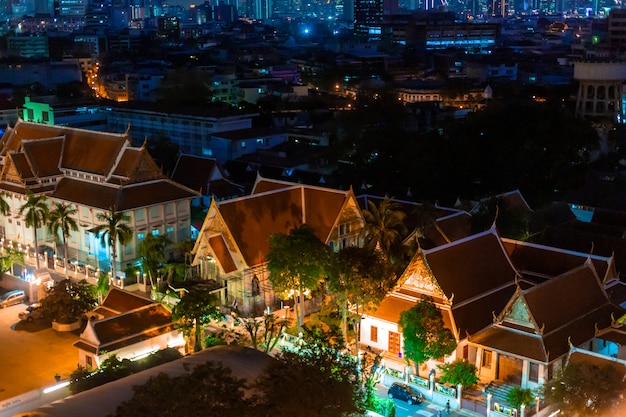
[509, 370]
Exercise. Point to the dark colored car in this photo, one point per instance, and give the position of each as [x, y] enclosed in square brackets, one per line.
[405, 393]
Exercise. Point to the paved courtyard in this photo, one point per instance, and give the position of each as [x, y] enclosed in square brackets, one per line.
[32, 353]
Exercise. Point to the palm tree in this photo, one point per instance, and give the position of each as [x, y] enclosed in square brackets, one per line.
[61, 218]
[5, 209]
[113, 230]
[35, 212]
[384, 226]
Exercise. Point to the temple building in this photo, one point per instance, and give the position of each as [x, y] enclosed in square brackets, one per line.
[94, 172]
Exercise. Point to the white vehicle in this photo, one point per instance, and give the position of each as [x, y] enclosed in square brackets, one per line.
[32, 312]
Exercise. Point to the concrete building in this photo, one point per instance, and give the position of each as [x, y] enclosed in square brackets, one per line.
[600, 88]
[94, 172]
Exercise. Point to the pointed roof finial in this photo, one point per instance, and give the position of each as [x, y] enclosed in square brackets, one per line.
[495, 217]
[145, 141]
[127, 129]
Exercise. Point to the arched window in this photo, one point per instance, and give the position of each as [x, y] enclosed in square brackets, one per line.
[256, 288]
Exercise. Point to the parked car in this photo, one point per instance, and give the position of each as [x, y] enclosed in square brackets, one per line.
[31, 313]
[405, 393]
[11, 298]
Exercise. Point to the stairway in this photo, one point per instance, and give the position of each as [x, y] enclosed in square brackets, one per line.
[499, 392]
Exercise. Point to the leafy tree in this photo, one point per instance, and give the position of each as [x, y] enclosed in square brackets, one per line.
[263, 333]
[317, 379]
[195, 309]
[210, 390]
[35, 212]
[585, 388]
[298, 261]
[151, 250]
[68, 300]
[458, 372]
[519, 396]
[10, 257]
[362, 279]
[425, 336]
[102, 286]
[61, 217]
[113, 230]
[5, 209]
[384, 227]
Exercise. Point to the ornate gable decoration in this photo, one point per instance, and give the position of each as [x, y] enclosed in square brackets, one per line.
[418, 277]
[145, 169]
[10, 172]
[519, 314]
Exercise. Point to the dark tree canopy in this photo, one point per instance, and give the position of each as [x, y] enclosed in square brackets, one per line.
[425, 336]
[210, 390]
[68, 300]
[587, 388]
[317, 380]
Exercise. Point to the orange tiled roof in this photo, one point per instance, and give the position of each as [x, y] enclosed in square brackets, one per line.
[122, 301]
[220, 249]
[44, 166]
[279, 211]
[105, 196]
[470, 267]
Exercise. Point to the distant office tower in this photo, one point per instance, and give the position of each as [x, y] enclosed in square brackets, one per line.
[168, 27]
[72, 7]
[499, 8]
[225, 12]
[262, 9]
[368, 16]
[617, 28]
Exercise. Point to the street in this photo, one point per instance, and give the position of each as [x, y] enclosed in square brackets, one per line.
[425, 409]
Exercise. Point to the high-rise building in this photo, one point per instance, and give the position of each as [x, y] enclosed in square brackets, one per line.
[72, 7]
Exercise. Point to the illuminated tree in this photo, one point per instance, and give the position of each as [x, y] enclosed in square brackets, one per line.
[425, 336]
[62, 218]
[362, 279]
[458, 372]
[298, 261]
[151, 250]
[35, 212]
[194, 310]
[586, 388]
[113, 230]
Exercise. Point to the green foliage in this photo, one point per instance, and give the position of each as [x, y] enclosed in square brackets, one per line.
[9, 257]
[458, 372]
[35, 212]
[263, 334]
[383, 406]
[519, 396]
[587, 388]
[61, 218]
[151, 250]
[69, 300]
[210, 390]
[384, 227]
[113, 368]
[298, 261]
[317, 379]
[425, 336]
[362, 278]
[194, 310]
[113, 230]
